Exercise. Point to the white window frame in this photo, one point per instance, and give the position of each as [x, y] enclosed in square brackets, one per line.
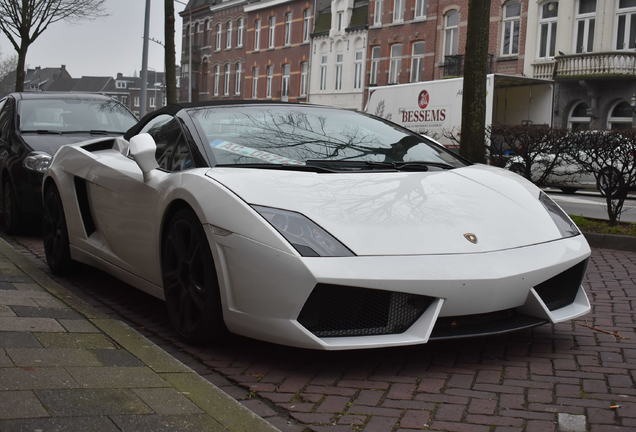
[306, 25]
[136, 101]
[509, 24]
[288, 28]
[271, 35]
[398, 11]
[257, 35]
[395, 64]
[357, 68]
[451, 34]
[339, 67]
[304, 69]
[228, 35]
[621, 120]
[377, 13]
[417, 62]
[339, 21]
[269, 78]
[151, 101]
[217, 77]
[217, 42]
[420, 9]
[587, 19]
[239, 76]
[375, 65]
[284, 82]
[553, 27]
[630, 14]
[323, 71]
[255, 83]
[578, 120]
[240, 28]
[226, 79]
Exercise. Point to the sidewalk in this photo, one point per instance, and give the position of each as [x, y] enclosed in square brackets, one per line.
[66, 367]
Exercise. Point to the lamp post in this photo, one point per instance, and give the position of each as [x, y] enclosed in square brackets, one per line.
[144, 62]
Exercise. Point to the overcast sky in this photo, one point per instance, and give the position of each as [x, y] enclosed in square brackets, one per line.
[103, 46]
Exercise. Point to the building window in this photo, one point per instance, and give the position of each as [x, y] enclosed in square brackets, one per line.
[136, 101]
[626, 28]
[240, 27]
[254, 82]
[257, 34]
[272, 32]
[206, 33]
[288, 28]
[585, 23]
[339, 20]
[303, 78]
[357, 70]
[451, 33]
[375, 64]
[124, 100]
[268, 81]
[620, 116]
[396, 62]
[120, 84]
[420, 8]
[323, 72]
[237, 83]
[217, 77]
[579, 118]
[226, 80]
[417, 61]
[284, 84]
[306, 25]
[151, 102]
[398, 10]
[217, 44]
[377, 13]
[228, 35]
[339, 59]
[511, 26]
[548, 29]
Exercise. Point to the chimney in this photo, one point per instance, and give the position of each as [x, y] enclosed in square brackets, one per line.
[37, 68]
[119, 75]
[63, 67]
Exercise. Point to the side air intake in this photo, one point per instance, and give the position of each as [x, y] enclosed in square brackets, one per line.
[84, 206]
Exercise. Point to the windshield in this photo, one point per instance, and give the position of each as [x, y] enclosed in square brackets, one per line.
[73, 115]
[296, 134]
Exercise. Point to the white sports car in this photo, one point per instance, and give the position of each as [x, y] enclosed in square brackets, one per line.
[313, 227]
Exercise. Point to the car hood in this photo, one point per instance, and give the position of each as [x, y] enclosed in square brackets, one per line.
[405, 213]
[50, 143]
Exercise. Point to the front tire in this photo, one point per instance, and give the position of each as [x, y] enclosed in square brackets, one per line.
[569, 190]
[190, 282]
[55, 233]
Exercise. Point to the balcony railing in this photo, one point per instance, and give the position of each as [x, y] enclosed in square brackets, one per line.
[453, 65]
[587, 66]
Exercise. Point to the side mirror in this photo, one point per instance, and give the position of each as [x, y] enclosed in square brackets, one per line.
[142, 149]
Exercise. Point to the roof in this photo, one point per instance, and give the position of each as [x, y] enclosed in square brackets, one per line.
[57, 95]
[194, 4]
[37, 79]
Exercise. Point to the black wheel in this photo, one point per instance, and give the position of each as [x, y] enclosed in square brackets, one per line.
[610, 182]
[189, 279]
[569, 190]
[55, 233]
[10, 212]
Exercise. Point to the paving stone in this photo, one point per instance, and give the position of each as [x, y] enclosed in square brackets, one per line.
[14, 277]
[50, 303]
[572, 423]
[45, 312]
[154, 423]
[52, 357]
[18, 340]
[5, 361]
[78, 326]
[20, 404]
[60, 424]
[167, 401]
[83, 402]
[5, 311]
[116, 357]
[34, 378]
[7, 286]
[22, 286]
[74, 340]
[116, 377]
[29, 324]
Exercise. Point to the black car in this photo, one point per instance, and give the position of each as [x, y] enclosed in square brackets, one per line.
[32, 127]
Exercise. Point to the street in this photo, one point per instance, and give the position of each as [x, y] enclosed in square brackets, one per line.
[591, 205]
[581, 372]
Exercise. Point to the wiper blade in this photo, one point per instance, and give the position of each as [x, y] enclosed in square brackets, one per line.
[310, 168]
[393, 166]
[94, 132]
[42, 132]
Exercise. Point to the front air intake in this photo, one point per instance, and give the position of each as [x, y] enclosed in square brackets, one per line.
[339, 311]
[561, 290]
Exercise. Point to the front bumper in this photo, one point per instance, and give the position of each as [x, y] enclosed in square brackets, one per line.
[264, 290]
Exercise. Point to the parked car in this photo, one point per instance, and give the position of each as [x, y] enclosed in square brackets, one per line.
[313, 227]
[32, 127]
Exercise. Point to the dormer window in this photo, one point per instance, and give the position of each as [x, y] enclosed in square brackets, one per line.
[120, 84]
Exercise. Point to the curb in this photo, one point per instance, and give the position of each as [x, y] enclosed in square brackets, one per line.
[611, 241]
[211, 399]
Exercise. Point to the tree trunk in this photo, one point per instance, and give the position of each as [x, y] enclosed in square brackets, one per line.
[20, 68]
[473, 135]
[169, 52]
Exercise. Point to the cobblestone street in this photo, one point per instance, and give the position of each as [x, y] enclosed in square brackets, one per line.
[576, 376]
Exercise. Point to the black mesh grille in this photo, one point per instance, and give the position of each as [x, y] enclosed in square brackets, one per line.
[336, 311]
[561, 290]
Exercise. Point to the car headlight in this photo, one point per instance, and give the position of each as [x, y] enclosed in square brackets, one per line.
[566, 227]
[37, 161]
[303, 234]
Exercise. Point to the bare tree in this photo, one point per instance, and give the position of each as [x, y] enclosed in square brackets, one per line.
[169, 52]
[23, 21]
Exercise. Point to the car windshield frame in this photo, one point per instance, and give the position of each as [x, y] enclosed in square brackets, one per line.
[74, 130]
[192, 114]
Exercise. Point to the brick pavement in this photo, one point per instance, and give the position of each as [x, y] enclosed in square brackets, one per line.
[547, 379]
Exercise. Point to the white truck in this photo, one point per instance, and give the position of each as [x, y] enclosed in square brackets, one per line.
[434, 108]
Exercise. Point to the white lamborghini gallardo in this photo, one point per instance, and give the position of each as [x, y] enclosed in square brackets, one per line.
[312, 227]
